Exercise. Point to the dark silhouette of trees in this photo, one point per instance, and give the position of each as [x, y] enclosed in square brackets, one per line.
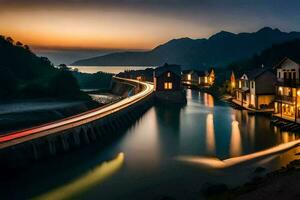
[25, 75]
[269, 57]
[19, 43]
[63, 67]
[10, 40]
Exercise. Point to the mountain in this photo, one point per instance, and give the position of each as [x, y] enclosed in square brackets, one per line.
[270, 57]
[218, 50]
[25, 75]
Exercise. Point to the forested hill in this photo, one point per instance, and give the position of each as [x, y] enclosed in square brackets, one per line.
[218, 50]
[270, 57]
[25, 75]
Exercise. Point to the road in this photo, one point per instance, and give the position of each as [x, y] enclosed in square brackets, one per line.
[17, 137]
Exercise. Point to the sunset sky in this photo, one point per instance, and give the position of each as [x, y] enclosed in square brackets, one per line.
[136, 24]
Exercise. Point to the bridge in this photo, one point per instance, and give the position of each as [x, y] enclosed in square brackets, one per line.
[95, 124]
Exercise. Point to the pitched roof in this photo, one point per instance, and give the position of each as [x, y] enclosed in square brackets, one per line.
[191, 71]
[283, 61]
[255, 73]
[176, 69]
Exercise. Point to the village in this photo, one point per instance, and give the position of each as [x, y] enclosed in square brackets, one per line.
[274, 91]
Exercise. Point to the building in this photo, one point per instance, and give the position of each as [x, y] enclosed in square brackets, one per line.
[211, 77]
[232, 83]
[198, 78]
[207, 79]
[167, 78]
[167, 84]
[287, 104]
[256, 89]
[192, 77]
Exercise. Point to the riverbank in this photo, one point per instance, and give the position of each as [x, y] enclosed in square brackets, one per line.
[281, 184]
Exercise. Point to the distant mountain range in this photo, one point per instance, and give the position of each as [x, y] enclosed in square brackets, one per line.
[218, 50]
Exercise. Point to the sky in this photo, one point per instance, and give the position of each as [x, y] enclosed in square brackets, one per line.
[114, 25]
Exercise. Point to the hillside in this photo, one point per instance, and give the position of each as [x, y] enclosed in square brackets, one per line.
[218, 50]
[270, 57]
[25, 75]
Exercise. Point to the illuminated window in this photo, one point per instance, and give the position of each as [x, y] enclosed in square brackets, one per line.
[199, 80]
[205, 79]
[240, 84]
[189, 77]
[169, 74]
[168, 85]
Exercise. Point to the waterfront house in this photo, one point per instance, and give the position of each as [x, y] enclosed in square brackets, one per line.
[287, 104]
[207, 79]
[256, 89]
[192, 77]
[232, 82]
[167, 78]
[242, 91]
[167, 83]
[211, 77]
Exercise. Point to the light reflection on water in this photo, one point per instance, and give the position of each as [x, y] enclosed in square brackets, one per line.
[204, 128]
[86, 181]
[210, 135]
[235, 142]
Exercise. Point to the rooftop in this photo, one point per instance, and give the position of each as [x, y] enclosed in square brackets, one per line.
[176, 69]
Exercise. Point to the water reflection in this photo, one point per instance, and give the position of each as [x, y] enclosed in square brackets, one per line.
[85, 182]
[210, 135]
[144, 142]
[251, 130]
[203, 127]
[216, 163]
[235, 142]
[208, 100]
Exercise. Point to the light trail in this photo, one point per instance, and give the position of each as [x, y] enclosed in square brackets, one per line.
[219, 164]
[76, 120]
[92, 178]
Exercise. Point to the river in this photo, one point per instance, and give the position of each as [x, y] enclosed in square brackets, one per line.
[143, 163]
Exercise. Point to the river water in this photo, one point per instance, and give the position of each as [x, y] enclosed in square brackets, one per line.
[143, 163]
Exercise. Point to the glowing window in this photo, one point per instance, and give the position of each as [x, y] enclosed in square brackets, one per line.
[189, 76]
[168, 85]
[169, 74]
[205, 79]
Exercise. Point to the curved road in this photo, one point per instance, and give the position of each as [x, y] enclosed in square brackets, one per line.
[17, 137]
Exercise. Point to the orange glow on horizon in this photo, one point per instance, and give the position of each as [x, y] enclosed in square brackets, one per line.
[93, 28]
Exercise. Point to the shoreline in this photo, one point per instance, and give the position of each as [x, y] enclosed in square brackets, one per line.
[279, 184]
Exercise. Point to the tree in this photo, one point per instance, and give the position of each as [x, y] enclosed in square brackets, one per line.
[10, 40]
[19, 43]
[63, 67]
[26, 47]
[64, 85]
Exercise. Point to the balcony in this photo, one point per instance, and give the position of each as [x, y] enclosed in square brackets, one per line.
[282, 98]
[288, 82]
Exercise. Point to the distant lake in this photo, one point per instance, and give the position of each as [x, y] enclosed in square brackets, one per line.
[108, 69]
